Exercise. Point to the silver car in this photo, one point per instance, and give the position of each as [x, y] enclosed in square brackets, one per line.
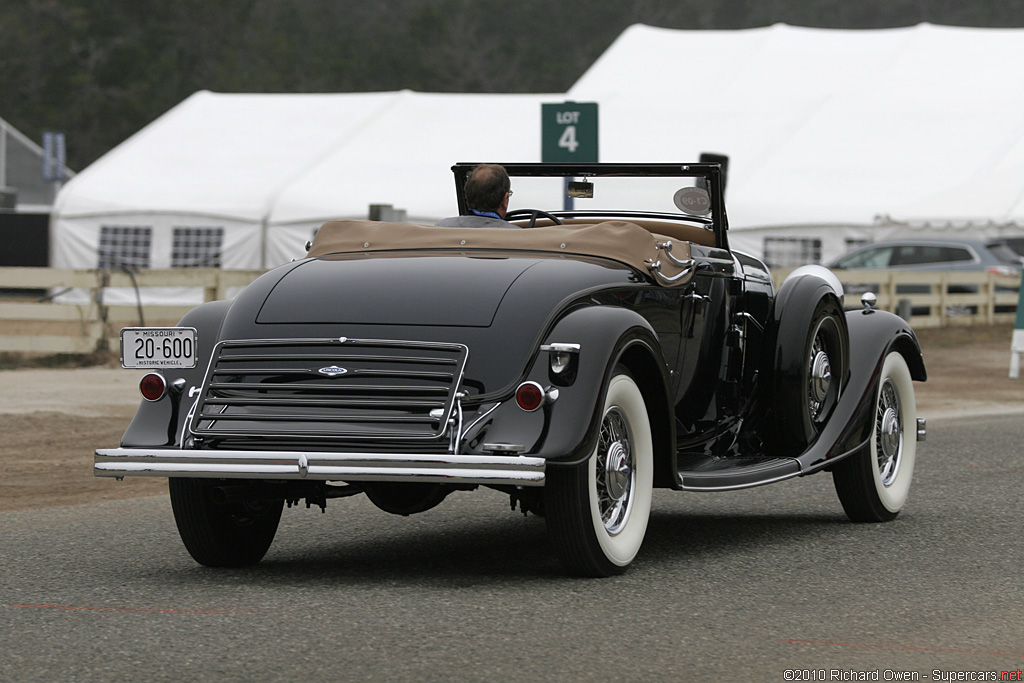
[994, 256]
[928, 254]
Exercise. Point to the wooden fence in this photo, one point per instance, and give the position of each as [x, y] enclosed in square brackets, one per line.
[933, 298]
[31, 321]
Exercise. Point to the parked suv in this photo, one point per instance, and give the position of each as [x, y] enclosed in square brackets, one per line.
[995, 256]
[933, 254]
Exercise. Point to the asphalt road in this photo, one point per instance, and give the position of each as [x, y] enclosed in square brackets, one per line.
[729, 587]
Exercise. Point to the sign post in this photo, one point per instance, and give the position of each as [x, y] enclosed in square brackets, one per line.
[54, 157]
[568, 135]
[1017, 342]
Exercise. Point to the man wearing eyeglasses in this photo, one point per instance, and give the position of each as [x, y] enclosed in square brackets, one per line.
[488, 189]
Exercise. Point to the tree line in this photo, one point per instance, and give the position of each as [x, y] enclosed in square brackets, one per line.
[99, 70]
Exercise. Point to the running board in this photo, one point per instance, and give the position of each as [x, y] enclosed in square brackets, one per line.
[710, 473]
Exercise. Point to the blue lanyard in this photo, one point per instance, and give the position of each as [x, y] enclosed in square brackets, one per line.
[488, 214]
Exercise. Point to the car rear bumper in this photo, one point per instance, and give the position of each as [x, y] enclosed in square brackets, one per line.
[515, 470]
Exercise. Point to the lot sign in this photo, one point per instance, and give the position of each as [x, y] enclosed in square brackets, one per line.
[569, 132]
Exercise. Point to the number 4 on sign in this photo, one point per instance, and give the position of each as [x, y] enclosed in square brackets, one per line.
[568, 139]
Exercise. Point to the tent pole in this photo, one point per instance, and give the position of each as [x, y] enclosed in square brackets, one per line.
[263, 241]
[3, 153]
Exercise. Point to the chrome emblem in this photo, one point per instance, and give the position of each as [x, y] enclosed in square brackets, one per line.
[332, 371]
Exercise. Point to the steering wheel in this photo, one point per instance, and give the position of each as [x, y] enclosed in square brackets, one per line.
[534, 214]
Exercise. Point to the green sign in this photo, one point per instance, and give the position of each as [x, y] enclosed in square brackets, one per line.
[569, 132]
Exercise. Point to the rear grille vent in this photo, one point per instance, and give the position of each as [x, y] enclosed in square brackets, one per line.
[329, 389]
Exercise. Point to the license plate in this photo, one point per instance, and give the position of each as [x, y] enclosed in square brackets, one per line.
[158, 347]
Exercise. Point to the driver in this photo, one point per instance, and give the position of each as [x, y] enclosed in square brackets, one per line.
[487, 193]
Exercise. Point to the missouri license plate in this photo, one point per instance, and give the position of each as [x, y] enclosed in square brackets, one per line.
[158, 347]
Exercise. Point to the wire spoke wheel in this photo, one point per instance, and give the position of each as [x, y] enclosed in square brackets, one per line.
[597, 511]
[819, 377]
[888, 434]
[614, 471]
[822, 385]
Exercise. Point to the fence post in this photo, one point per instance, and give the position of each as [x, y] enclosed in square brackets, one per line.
[990, 298]
[212, 287]
[943, 300]
[99, 328]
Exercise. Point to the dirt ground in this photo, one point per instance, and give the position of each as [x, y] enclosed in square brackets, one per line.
[52, 419]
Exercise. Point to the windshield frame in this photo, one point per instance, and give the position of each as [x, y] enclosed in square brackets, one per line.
[712, 173]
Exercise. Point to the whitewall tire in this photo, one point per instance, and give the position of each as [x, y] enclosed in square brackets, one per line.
[597, 512]
[873, 485]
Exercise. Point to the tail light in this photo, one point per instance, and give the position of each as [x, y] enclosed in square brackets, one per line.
[153, 386]
[1006, 271]
[530, 396]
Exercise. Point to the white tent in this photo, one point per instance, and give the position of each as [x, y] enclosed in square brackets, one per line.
[834, 137]
[241, 181]
[403, 157]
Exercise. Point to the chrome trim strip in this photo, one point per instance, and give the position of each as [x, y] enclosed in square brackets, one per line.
[922, 429]
[332, 466]
[738, 487]
[477, 420]
[560, 347]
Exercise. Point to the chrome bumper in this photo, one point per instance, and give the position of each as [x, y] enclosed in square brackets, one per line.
[451, 469]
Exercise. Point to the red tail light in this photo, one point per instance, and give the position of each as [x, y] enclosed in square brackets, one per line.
[1006, 271]
[153, 386]
[530, 396]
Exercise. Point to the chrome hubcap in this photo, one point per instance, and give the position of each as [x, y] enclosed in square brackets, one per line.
[888, 433]
[617, 471]
[820, 379]
[821, 376]
[614, 470]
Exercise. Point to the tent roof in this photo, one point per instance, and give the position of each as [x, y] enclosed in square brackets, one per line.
[404, 157]
[821, 125]
[824, 125]
[305, 158]
[222, 155]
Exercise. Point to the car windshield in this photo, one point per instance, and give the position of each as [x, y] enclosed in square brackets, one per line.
[610, 194]
[691, 192]
[878, 257]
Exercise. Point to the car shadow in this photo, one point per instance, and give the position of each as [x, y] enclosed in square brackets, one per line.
[502, 551]
[678, 536]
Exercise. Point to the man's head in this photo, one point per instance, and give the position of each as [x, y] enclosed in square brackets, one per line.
[487, 188]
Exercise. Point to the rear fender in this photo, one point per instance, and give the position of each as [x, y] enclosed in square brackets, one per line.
[607, 337]
[159, 423]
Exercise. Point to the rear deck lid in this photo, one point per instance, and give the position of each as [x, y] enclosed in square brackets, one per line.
[451, 290]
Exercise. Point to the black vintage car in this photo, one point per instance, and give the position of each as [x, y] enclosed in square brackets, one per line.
[576, 365]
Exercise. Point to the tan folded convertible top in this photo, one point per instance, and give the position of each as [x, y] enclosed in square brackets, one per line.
[616, 240]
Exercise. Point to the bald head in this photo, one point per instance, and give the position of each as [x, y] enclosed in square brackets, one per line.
[486, 187]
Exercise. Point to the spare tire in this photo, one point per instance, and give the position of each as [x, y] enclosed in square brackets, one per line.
[811, 361]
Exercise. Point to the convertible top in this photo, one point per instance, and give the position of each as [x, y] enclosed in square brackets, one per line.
[619, 241]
